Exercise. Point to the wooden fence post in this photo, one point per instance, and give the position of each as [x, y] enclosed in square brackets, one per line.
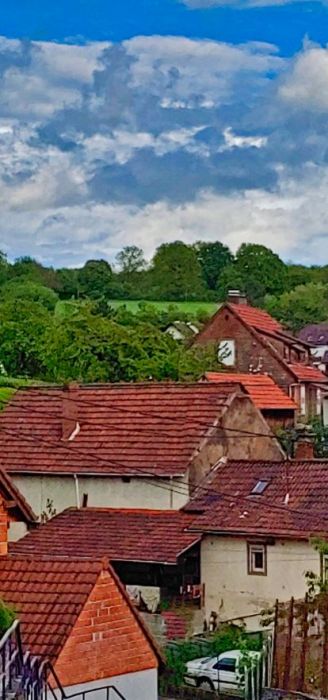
[305, 629]
[288, 645]
[324, 610]
[275, 669]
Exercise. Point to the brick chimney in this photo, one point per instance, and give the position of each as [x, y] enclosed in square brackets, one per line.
[236, 297]
[70, 424]
[3, 528]
[304, 445]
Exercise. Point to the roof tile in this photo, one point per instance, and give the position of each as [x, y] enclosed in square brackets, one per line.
[264, 392]
[124, 428]
[257, 318]
[120, 534]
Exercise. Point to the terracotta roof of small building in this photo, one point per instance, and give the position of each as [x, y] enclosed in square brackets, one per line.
[120, 534]
[49, 593]
[308, 373]
[122, 429]
[257, 318]
[19, 506]
[262, 389]
[293, 503]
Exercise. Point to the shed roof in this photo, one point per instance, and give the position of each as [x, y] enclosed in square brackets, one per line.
[156, 536]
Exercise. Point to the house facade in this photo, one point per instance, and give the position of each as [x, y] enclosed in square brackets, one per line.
[256, 544]
[126, 445]
[75, 614]
[249, 340]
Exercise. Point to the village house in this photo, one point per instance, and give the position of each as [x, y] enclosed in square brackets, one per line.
[76, 617]
[182, 330]
[16, 516]
[126, 445]
[257, 520]
[249, 340]
[278, 409]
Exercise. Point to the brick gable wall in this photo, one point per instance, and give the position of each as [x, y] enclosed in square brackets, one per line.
[249, 350]
[106, 640]
[3, 527]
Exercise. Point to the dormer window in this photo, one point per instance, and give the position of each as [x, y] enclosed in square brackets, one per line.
[227, 352]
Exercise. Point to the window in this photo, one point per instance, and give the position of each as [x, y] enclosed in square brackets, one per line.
[227, 352]
[227, 665]
[259, 488]
[257, 559]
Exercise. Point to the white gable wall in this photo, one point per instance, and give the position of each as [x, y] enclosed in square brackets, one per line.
[232, 592]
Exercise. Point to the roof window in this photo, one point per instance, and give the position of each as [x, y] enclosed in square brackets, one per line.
[259, 488]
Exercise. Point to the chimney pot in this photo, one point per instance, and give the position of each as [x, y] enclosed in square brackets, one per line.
[235, 296]
[70, 426]
[304, 445]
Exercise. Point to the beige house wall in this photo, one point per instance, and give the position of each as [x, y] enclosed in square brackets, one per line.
[103, 492]
[233, 593]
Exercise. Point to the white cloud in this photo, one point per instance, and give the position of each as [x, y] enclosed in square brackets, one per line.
[232, 140]
[307, 83]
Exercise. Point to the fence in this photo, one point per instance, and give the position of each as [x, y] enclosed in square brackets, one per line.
[301, 646]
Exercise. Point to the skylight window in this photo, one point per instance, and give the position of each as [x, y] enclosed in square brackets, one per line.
[259, 488]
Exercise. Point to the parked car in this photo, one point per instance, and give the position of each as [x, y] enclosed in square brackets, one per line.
[224, 673]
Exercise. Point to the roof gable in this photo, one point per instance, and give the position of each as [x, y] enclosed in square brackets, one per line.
[130, 429]
[50, 593]
[120, 534]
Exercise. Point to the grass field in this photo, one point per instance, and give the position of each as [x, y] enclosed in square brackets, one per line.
[189, 307]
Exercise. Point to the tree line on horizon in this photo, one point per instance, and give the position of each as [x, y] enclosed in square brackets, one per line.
[96, 342]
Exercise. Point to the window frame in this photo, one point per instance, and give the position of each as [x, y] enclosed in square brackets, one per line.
[324, 567]
[233, 351]
[250, 569]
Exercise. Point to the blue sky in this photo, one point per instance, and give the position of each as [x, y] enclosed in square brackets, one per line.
[154, 120]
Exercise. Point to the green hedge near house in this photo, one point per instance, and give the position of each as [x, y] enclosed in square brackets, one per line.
[7, 617]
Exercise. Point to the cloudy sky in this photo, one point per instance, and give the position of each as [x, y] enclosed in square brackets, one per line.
[143, 121]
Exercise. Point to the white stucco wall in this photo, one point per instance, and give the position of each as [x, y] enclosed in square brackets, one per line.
[16, 531]
[231, 592]
[133, 686]
[102, 492]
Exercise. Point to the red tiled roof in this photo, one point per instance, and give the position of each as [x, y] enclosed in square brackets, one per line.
[226, 504]
[49, 593]
[307, 373]
[120, 534]
[257, 318]
[21, 508]
[48, 596]
[264, 392]
[124, 428]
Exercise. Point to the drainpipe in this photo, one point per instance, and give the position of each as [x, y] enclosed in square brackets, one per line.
[77, 491]
[171, 492]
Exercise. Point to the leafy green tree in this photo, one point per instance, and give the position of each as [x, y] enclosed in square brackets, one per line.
[31, 269]
[22, 327]
[262, 266]
[26, 289]
[4, 268]
[90, 348]
[131, 259]
[68, 280]
[213, 258]
[307, 303]
[176, 273]
[95, 279]
[230, 278]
